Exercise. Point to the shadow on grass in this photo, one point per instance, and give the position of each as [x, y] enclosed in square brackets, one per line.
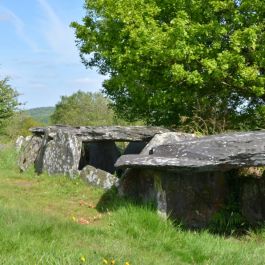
[112, 201]
[227, 222]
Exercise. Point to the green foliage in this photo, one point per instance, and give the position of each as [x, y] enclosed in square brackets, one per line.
[198, 64]
[229, 221]
[41, 115]
[8, 101]
[83, 108]
[19, 124]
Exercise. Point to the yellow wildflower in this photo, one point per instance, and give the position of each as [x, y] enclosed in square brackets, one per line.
[126, 263]
[83, 259]
[112, 262]
[74, 218]
[105, 261]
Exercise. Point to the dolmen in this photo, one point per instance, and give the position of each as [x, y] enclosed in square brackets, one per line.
[193, 179]
[89, 151]
[189, 179]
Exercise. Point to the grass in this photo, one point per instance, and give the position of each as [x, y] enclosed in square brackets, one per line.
[55, 220]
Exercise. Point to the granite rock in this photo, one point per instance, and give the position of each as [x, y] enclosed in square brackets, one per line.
[62, 154]
[29, 151]
[98, 177]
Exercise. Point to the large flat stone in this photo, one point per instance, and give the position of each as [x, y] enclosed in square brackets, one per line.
[104, 133]
[211, 153]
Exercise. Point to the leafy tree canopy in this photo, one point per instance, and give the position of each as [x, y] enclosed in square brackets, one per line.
[199, 63]
[8, 101]
[83, 108]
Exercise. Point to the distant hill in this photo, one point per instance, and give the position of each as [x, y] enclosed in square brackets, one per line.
[42, 114]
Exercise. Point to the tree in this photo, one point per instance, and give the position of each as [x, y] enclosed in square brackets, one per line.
[19, 124]
[198, 63]
[83, 108]
[8, 101]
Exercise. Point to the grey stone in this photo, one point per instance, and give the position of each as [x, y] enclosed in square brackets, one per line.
[29, 151]
[132, 183]
[190, 180]
[62, 154]
[19, 143]
[252, 197]
[192, 199]
[39, 160]
[166, 139]
[211, 153]
[98, 177]
[104, 133]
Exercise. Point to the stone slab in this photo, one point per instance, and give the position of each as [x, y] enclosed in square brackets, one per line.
[104, 133]
[211, 153]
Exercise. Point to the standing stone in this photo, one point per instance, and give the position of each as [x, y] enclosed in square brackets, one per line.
[62, 154]
[19, 142]
[252, 198]
[194, 199]
[29, 151]
[146, 185]
[103, 155]
[39, 160]
[98, 177]
[132, 184]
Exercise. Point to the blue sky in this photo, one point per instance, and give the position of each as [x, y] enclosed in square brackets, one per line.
[38, 52]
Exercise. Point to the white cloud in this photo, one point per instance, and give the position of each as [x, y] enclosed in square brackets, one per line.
[9, 16]
[58, 34]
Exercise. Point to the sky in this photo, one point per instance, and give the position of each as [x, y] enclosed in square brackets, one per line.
[38, 51]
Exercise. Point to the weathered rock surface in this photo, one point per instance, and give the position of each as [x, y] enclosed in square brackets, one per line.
[252, 198]
[19, 142]
[98, 177]
[212, 153]
[29, 151]
[166, 138]
[62, 154]
[195, 196]
[138, 183]
[104, 133]
[192, 199]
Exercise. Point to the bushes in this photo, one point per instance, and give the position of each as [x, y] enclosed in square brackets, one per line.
[18, 125]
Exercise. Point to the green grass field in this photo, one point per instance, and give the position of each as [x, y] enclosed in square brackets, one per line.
[55, 220]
